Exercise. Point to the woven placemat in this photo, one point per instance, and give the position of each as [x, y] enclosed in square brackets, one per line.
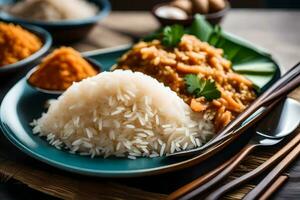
[57, 183]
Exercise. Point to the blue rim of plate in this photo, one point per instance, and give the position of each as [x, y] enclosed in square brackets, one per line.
[104, 5]
[47, 42]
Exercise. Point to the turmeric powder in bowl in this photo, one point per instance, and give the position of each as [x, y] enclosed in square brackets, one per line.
[16, 43]
[60, 69]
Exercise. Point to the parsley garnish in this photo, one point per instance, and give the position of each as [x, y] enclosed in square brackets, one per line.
[200, 87]
[172, 35]
[169, 36]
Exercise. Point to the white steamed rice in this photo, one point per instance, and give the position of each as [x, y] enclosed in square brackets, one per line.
[53, 10]
[122, 113]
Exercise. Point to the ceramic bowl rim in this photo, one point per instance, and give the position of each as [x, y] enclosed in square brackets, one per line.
[190, 18]
[104, 5]
[95, 64]
[47, 42]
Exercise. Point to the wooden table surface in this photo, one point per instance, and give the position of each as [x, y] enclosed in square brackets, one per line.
[276, 30]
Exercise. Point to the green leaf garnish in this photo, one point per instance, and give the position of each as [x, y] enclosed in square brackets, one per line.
[172, 35]
[201, 28]
[201, 87]
[210, 90]
[192, 82]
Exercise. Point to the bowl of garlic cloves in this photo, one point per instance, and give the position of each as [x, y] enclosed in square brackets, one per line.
[183, 11]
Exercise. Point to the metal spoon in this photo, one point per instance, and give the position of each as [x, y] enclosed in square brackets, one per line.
[95, 64]
[286, 125]
[275, 133]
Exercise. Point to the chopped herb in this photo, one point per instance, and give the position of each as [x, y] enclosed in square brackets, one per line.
[192, 82]
[172, 35]
[200, 87]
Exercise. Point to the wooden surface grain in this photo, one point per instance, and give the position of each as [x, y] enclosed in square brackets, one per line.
[276, 30]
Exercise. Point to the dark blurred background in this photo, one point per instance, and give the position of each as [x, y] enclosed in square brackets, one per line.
[147, 4]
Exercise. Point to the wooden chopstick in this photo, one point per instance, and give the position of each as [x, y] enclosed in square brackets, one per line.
[274, 187]
[199, 181]
[258, 190]
[260, 169]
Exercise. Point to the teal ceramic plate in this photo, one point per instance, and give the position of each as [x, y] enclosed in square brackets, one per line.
[22, 104]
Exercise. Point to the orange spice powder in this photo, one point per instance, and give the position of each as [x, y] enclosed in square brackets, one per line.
[16, 43]
[60, 69]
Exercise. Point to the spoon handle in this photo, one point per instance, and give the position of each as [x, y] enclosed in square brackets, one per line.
[208, 185]
[260, 169]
